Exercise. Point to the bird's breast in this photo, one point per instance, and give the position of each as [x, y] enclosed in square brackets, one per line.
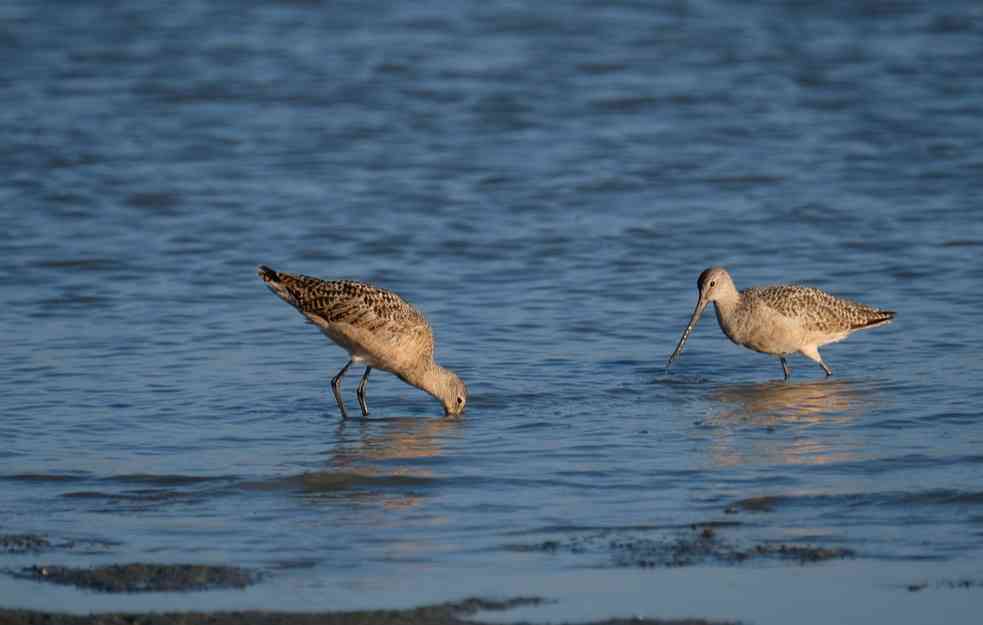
[760, 329]
[381, 348]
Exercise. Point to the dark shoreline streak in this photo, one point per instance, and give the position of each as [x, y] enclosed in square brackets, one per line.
[444, 613]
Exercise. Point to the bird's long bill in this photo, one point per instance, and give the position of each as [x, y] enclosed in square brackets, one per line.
[700, 305]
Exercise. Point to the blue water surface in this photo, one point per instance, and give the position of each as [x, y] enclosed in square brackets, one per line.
[545, 181]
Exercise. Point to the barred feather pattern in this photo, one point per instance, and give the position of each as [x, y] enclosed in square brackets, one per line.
[816, 310]
[375, 310]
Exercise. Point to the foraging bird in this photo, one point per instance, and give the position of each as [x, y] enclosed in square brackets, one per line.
[780, 320]
[374, 326]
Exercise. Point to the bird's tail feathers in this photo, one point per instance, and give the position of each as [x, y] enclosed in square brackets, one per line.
[267, 274]
[279, 283]
[879, 318]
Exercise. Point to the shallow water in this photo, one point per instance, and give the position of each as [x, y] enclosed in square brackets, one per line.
[546, 183]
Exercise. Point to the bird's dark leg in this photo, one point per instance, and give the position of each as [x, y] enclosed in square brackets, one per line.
[360, 392]
[336, 388]
[785, 369]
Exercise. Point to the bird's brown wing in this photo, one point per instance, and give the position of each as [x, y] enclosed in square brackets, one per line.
[367, 307]
[819, 311]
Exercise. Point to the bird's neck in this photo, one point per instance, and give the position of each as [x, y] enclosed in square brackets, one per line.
[429, 377]
[727, 301]
[729, 317]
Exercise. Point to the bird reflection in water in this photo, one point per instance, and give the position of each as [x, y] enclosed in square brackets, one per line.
[392, 438]
[794, 411]
[387, 457]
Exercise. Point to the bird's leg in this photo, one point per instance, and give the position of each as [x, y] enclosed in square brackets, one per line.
[336, 388]
[360, 392]
[785, 369]
[812, 353]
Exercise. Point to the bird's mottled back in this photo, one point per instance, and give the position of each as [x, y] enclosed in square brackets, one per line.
[345, 301]
[817, 310]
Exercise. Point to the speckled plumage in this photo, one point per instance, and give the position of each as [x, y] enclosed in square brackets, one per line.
[816, 310]
[781, 319]
[375, 326]
[376, 310]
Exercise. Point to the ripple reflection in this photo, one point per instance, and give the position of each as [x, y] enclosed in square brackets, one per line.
[802, 406]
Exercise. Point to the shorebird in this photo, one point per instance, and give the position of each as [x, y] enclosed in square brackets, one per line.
[374, 326]
[780, 320]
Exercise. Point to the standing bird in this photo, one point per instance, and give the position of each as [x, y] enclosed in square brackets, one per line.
[780, 320]
[374, 326]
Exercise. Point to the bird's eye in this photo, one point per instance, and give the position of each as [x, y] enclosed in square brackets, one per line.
[460, 400]
[713, 283]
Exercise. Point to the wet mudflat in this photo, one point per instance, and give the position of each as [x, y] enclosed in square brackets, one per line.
[457, 613]
[138, 577]
[698, 544]
[21, 543]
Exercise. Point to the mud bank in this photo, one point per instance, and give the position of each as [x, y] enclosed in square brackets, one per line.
[140, 577]
[455, 613]
[699, 544]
